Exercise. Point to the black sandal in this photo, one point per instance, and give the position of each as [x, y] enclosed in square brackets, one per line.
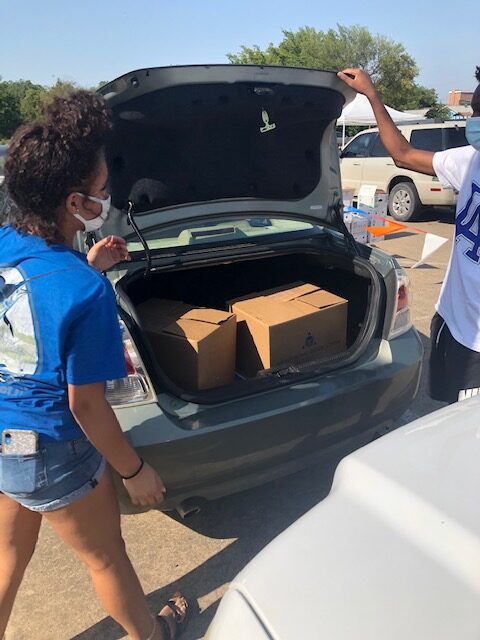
[179, 619]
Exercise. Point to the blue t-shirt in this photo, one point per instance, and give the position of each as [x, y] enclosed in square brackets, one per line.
[58, 326]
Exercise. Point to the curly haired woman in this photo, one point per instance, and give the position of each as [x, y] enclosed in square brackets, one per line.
[59, 343]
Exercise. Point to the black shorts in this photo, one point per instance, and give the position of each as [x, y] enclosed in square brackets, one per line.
[454, 372]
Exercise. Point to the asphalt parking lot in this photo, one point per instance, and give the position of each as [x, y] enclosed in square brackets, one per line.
[201, 555]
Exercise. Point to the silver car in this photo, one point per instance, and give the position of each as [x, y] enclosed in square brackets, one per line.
[392, 552]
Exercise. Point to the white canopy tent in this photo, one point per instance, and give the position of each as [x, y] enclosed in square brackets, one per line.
[359, 112]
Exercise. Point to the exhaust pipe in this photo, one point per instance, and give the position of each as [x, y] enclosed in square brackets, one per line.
[188, 508]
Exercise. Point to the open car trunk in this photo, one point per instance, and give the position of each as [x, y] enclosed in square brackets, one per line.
[214, 285]
[240, 156]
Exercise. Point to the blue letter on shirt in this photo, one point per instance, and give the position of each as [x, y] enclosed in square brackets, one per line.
[467, 224]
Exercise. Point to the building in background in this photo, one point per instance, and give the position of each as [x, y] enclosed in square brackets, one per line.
[459, 98]
[459, 102]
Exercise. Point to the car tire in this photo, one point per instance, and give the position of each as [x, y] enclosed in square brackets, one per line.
[403, 202]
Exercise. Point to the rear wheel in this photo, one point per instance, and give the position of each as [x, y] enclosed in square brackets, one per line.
[403, 202]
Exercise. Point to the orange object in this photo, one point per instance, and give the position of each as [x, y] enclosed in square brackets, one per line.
[390, 227]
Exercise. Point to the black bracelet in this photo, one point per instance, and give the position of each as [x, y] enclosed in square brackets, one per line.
[136, 472]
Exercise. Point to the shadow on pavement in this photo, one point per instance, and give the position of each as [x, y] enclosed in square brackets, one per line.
[395, 236]
[427, 266]
[439, 214]
[242, 516]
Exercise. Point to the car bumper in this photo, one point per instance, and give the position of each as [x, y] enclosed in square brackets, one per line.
[437, 196]
[246, 443]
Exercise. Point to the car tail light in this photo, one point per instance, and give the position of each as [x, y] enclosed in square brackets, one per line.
[135, 387]
[401, 321]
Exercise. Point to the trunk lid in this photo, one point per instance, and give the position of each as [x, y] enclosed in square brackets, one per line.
[209, 140]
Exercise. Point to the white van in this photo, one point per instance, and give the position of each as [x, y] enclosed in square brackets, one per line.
[364, 160]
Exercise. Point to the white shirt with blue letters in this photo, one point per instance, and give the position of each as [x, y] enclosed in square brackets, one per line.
[459, 302]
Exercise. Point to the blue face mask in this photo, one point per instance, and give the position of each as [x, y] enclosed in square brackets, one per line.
[472, 132]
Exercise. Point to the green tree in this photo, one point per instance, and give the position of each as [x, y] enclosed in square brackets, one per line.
[60, 88]
[10, 117]
[392, 69]
[18, 88]
[22, 101]
[31, 104]
[440, 111]
[422, 97]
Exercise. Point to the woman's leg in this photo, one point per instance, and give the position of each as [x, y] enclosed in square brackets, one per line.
[18, 536]
[91, 526]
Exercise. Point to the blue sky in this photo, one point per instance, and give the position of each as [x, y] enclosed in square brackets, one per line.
[87, 41]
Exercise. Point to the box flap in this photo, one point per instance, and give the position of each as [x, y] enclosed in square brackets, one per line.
[285, 293]
[287, 303]
[292, 291]
[190, 330]
[209, 316]
[321, 299]
[272, 312]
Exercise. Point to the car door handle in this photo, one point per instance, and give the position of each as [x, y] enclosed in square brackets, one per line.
[390, 164]
[356, 164]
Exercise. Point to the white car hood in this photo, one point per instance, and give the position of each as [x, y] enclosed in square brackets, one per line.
[392, 553]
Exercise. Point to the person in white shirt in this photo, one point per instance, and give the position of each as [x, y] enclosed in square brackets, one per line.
[454, 372]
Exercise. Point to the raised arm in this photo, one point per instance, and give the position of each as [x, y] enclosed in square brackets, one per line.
[402, 152]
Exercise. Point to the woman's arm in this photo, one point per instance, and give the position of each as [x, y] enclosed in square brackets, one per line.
[95, 416]
[402, 152]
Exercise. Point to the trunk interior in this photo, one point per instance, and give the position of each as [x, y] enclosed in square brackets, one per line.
[214, 285]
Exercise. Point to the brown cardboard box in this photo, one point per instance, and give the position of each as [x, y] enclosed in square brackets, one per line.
[194, 346]
[300, 320]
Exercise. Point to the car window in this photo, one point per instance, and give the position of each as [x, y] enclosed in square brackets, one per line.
[454, 137]
[230, 230]
[378, 150]
[358, 148]
[427, 139]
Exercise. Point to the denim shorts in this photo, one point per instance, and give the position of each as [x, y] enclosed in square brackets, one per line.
[57, 475]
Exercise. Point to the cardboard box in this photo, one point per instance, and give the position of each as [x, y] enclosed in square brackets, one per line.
[194, 346]
[361, 237]
[298, 321]
[375, 202]
[356, 225]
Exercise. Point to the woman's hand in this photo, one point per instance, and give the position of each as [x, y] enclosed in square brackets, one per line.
[146, 488]
[107, 252]
[358, 80]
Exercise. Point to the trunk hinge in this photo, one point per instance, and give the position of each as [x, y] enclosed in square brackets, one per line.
[131, 221]
[338, 212]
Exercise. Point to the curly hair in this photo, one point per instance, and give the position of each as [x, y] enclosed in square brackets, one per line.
[477, 74]
[48, 159]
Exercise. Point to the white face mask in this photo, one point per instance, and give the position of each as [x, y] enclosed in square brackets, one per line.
[95, 223]
[472, 132]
